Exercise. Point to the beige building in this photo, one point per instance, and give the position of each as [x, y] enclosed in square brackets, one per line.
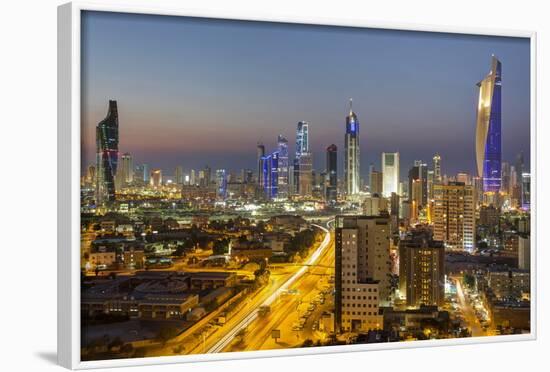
[362, 272]
[454, 215]
[422, 269]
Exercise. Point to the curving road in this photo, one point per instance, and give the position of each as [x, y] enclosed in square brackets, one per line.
[249, 316]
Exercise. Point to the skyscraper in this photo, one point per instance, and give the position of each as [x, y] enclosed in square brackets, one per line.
[260, 153]
[488, 128]
[390, 173]
[526, 191]
[437, 168]
[178, 175]
[146, 173]
[127, 168]
[331, 191]
[221, 183]
[419, 173]
[283, 171]
[270, 177]
[376, 182]
[454, 215]
[421, 269]
[303, 164]
[361, 272]
[352, 153]
[107, 156]
[156, 178]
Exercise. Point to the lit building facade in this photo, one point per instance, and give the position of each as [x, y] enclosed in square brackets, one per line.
[107, 156]
[331, 189]
[454, 215]
[488, 128]
[390, 173]
[156, 178]
[437, 168]
[526, 191]
[303, 162]
[270, 177]
[127, 168]
[283, 171]
[352, 154]
[422, 269]
[362, 272]
[221, 183]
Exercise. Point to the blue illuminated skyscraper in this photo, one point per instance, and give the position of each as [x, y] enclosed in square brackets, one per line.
[221, 183]
[270, 179]
[107, 156]
[351, 153]
[488, 129]
[303, 162]
[283, 172]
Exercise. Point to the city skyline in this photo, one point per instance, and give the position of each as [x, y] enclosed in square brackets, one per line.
[170, 142]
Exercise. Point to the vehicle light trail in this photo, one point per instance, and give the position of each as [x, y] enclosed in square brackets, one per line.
[253, 314]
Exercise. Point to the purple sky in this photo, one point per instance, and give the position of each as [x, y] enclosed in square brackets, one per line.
[196, 92]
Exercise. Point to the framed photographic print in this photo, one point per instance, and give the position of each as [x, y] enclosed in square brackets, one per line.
[256, 187]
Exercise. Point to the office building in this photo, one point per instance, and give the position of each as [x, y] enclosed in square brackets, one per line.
[454, 215]
[156, 178]
[488, 128]
[303, 162]
[221, 183]
[107, 156]
[283, 172]
[178, 175]
[390, 173]
[351, 154]
[127, 168]
[419, 173]
[374, 205]
[260, 153]
[270, 177]
[526, 191]
[331, 189]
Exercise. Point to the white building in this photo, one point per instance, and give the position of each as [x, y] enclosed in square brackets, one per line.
[390, 173]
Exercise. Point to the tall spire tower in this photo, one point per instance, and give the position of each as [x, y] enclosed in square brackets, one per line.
[352, 153]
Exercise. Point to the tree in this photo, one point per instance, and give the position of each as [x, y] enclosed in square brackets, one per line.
[221, 246]
[166, 334]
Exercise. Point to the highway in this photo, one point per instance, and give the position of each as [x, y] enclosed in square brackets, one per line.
[287, 311]
[250, 313]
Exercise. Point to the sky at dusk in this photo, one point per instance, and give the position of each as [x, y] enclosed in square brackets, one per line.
[197, 92]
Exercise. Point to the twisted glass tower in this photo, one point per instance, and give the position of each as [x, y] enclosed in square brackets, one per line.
[107, 156]
[488, 128]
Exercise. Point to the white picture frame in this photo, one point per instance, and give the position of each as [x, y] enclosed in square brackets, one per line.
[69, 184]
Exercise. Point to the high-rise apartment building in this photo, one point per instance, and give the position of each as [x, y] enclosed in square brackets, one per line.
[454, 215]
[488, 128]
[422, 269]
[362, 271]
[437, 168]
